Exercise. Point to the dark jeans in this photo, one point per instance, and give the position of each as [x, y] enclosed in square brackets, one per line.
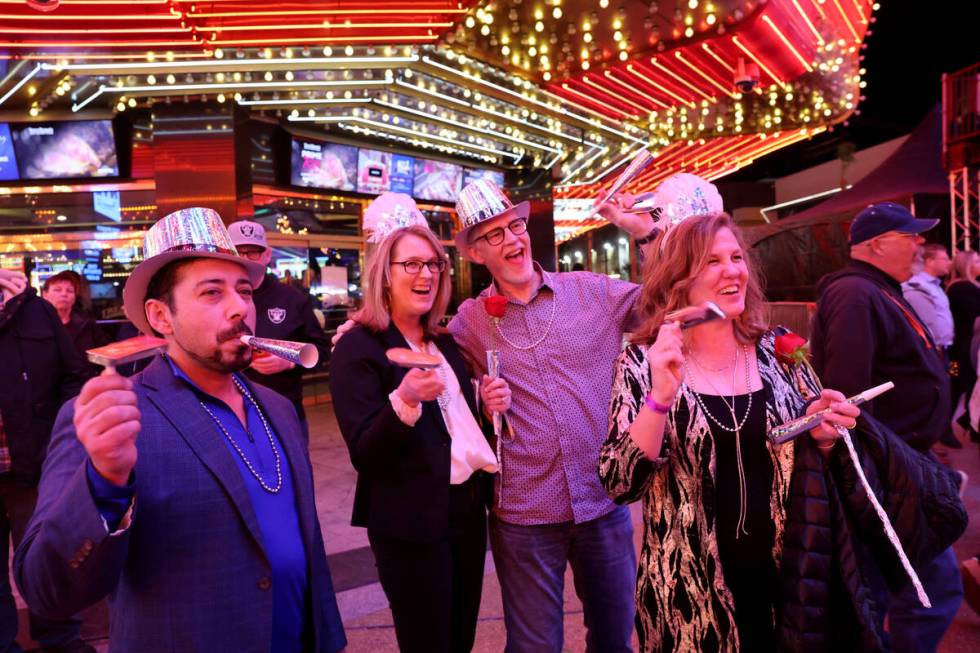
[17, 501]
[915, 629]
[434, 588]
[531, 563]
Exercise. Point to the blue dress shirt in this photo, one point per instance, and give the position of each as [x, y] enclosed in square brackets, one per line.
[277, 515]
[926, 295]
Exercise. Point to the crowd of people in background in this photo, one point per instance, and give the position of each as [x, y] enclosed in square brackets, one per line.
[185, 495]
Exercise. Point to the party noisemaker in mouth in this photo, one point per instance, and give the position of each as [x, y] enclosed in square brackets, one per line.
[297, 353]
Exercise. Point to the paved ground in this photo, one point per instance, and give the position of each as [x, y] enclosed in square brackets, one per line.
[362, 602]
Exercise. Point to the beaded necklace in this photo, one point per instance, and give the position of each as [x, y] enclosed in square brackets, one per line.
[736, 427]
[268, 431]
[547, 330]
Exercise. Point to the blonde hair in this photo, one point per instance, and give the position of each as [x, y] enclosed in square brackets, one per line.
[375, 314]
[671, 270]
[962, 263]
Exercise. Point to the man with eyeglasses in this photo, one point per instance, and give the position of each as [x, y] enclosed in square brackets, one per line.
[557, 339]
[282, 312]
[865, 333]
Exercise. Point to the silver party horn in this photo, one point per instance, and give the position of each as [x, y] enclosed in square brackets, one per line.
[695, 315]
[639, 163]
[786, 432]
[297, 353]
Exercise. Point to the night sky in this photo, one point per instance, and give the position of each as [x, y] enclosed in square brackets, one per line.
[912, 44]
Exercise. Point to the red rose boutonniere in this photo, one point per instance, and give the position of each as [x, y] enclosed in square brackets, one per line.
[791, 349]
[495, 306]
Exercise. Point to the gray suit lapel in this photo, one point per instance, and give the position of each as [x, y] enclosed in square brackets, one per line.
[180, 406]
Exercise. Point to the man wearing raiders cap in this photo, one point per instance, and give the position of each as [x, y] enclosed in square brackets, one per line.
[184, 493]
[281, 312]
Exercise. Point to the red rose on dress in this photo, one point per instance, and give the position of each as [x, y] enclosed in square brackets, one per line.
[791, 349]
[495, 305]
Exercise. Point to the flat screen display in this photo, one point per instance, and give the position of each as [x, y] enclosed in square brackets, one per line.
[373, 171]
[54, 150]
[103, 290]
[472, 174]
[402, 174]
[437, 181]
[8, 160]
[323, 165]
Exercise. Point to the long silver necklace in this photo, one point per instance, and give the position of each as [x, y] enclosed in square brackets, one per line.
[736, 427]
[547, 330]
[272, 442]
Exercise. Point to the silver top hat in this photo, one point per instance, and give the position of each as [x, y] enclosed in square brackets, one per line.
[187, 233]
[479, 202]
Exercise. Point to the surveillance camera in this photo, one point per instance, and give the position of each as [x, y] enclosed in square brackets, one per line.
[43, 5]
[746, 76]
[745, 84]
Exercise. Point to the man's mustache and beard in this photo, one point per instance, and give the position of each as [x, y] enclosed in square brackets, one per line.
[222, 357]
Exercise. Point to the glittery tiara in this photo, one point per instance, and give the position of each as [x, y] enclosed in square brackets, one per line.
[390, 211]
[680, 197]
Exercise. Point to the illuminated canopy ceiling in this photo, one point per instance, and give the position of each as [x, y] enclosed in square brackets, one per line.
[574, 85]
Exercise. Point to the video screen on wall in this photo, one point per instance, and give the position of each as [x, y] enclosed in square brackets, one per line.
[437, 181]
[373, 171]
[8, 160]
[323, 165]
[53, 150]
[402, 174]
[472, 174]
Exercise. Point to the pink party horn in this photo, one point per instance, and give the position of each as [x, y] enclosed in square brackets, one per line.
[126, 351]
[297, 353]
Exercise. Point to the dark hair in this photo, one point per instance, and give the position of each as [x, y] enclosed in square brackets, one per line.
[162, 283]
[69, 277]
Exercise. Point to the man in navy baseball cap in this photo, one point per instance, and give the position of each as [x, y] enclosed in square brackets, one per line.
[865, 333]
[879, 219]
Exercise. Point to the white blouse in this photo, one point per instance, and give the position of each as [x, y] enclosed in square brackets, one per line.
[470, 450]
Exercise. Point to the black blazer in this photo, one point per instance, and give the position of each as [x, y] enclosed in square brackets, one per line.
[402, 471]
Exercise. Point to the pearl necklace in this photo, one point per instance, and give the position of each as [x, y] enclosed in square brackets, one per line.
[547, 330]
[241, 454]
[736, 427]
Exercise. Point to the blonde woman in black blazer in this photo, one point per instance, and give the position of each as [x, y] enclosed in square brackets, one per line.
[423, 462]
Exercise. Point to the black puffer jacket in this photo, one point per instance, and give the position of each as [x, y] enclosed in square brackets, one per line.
[831, 526]
[39, 371]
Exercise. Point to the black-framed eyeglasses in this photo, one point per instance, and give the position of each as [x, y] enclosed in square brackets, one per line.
[496, 236]
[415, 267]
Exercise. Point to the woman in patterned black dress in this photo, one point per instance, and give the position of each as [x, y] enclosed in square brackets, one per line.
[688, 422]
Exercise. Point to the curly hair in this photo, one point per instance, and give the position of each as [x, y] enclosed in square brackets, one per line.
[677, 259]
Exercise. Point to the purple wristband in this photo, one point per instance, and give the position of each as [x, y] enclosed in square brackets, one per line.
[656, 406]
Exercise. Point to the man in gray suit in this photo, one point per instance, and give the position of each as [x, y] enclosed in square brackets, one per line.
[184, 493]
